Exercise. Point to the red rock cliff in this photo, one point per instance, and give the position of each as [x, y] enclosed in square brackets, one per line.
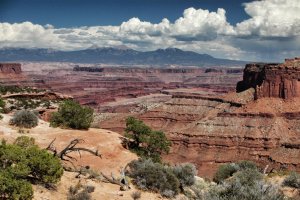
[10, 68]
[273, 80]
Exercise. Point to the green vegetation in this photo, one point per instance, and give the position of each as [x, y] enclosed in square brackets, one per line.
[185, 173]
[293, 180]
[154, 177]
[16, 89]
[28, 103]
[23, 102]
[2, 107]
[72, 115]
[24, 119]
[166, 180]
[144, 141]
[227, 170]
[24, 162]
[136, 195]
[245, 183]
[24, 142]
[238, 181]
[80, 192]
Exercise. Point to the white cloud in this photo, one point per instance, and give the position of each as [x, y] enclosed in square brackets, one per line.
[201, 24]
[272, 32]
[271, 18]
[27, 34]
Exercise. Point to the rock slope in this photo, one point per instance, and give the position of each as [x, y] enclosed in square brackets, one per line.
[210, 130]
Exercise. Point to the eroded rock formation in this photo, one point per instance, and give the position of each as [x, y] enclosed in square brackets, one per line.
[10, 68]
[98, 85]
[273, 80]
[210, 130]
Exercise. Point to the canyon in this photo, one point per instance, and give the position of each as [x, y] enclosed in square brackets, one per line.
[96, 86]
[208, 129]
[208, 122]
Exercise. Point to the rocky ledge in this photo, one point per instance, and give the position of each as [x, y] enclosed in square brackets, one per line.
[10, 68]
[272, 80]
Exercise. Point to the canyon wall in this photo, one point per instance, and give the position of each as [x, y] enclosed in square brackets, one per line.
[96, 86]
[273, 80]
[212, 129]
[12, 74]
[10, 68]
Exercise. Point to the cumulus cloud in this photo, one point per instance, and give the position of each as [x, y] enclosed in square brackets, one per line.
[272, 31]
[201, 25]
[271, 18]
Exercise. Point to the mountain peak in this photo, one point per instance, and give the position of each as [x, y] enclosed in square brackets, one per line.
[121, 55]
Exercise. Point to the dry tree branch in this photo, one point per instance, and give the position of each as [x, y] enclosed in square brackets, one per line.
[71, 147]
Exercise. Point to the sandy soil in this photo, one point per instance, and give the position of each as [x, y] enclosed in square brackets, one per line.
[114, 157]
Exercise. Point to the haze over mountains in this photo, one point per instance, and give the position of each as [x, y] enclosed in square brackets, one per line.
[118, 56]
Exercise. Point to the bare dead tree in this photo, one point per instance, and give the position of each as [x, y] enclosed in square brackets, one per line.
[71, 147]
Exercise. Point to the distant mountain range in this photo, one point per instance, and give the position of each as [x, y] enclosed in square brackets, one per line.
[118, 56]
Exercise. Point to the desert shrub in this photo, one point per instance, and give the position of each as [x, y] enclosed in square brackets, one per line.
[245, 185]
[246, 164]
[136, 195]
[24, 141]
[89, 188]
[146, 142]
[24, 119]
[80, 192]
[23, 162]
[4, 89]
[156, 177]
[234, 190]
[185, 173]
[293, 180]
[2, 105]
[72, 115]
[82, 195]
[44, 166]
[248, 176]
[14, 189]
[225, 171]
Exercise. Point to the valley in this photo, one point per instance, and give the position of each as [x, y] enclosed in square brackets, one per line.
[208, 123]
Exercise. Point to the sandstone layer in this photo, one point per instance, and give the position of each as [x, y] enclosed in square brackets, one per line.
[209, 132]
[97, 85]
[273, 80]
[209, 129]
[10, 68]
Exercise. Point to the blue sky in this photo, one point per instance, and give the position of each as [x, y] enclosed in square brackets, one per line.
[258, 30]
[71, 13]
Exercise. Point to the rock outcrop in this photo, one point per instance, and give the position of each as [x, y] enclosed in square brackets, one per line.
[10, 68]
[273, 80]
[210, 130]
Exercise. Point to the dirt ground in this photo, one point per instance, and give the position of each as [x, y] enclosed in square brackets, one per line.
[114, 157]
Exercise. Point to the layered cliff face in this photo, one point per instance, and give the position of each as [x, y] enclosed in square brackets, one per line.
[10, 68]
[210, 129]
[12, 74]
[273, 80]
[98, 85]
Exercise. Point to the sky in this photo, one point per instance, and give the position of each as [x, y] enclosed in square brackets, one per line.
[265, 30]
